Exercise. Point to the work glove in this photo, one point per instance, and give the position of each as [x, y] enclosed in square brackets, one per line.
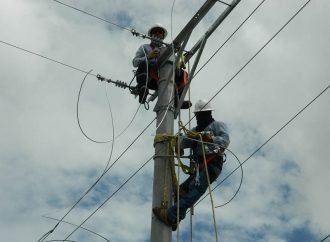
[207, 136]
[153, 54]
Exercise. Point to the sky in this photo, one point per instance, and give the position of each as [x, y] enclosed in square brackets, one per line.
[47, 163]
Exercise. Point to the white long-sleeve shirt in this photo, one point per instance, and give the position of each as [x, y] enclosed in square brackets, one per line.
[220, 137]
[142, 53]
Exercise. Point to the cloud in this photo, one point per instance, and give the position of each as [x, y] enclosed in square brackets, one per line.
[47, 163]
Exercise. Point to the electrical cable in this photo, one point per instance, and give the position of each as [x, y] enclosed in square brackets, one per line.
[230, 36]
[61, 240]
[88, 230]
[94, 184]
[49, 58]
[125, 181]
[80, 70]
[77, 112]
[132, 31]
[45, 57]
[105, 201]
[252, 58]
[268, 139]
[246, 64]
[92, 15]
[261, 146]
[325, 238]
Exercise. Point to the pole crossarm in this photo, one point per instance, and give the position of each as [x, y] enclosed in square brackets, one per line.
[199, 46]
[186, 30]
[213, 27]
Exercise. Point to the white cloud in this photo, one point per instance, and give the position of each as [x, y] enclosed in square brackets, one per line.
[47, 163]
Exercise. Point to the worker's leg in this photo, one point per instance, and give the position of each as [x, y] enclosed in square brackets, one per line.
[141, 74]
[195, 192]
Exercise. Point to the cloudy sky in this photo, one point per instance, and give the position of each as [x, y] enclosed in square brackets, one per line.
[47, 163]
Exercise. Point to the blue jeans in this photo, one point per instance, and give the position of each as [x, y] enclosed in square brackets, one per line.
[194, 192]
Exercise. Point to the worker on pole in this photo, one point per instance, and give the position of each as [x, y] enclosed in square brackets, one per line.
[147, 73]
[208, 141]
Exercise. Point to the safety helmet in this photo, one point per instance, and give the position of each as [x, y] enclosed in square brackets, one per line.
[203, 105]
[155, 27]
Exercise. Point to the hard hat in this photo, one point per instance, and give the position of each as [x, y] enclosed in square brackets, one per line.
[155, 27]
[203, 105]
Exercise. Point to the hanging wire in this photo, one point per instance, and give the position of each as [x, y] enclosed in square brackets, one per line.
[88, 230]
[94, 184]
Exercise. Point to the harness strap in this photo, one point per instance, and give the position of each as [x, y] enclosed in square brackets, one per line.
[208, 160]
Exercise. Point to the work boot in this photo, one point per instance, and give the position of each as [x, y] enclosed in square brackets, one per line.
[143, 93]
[161, 214]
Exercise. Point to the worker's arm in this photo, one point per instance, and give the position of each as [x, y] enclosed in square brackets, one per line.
[141, 55]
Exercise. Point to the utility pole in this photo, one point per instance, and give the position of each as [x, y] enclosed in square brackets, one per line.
[162, 188]
[162, 184]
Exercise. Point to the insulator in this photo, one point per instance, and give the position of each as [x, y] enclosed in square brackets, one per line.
[121, 84]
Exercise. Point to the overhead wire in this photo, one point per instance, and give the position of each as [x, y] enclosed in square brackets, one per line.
[92, 15]
[55, 60]
[325, 238]
[94, 184]
[248, 62]
[88, 73]
[45, 57]
[106, 200]
[88, 230]
[258, 52]
[143, 164]
[256, 55]
[132, 31]
[230, 36]
[269, 139]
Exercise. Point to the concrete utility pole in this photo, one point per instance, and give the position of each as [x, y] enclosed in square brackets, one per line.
[162, 174]
[162, 184]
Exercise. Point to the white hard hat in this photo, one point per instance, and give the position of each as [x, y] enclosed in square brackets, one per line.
[155, 27]
[203, 105]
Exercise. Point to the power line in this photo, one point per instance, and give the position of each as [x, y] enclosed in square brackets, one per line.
[277, 132]
[132, 31]
[230, 36]
[325, 238]
[49, 58]
[258, 52]
[94, 184]
[45, 57]
[230, 80]
[88, 230]
[105, 201]
[92, 15]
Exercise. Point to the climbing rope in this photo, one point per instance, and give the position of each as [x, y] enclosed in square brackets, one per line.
[209, 187]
